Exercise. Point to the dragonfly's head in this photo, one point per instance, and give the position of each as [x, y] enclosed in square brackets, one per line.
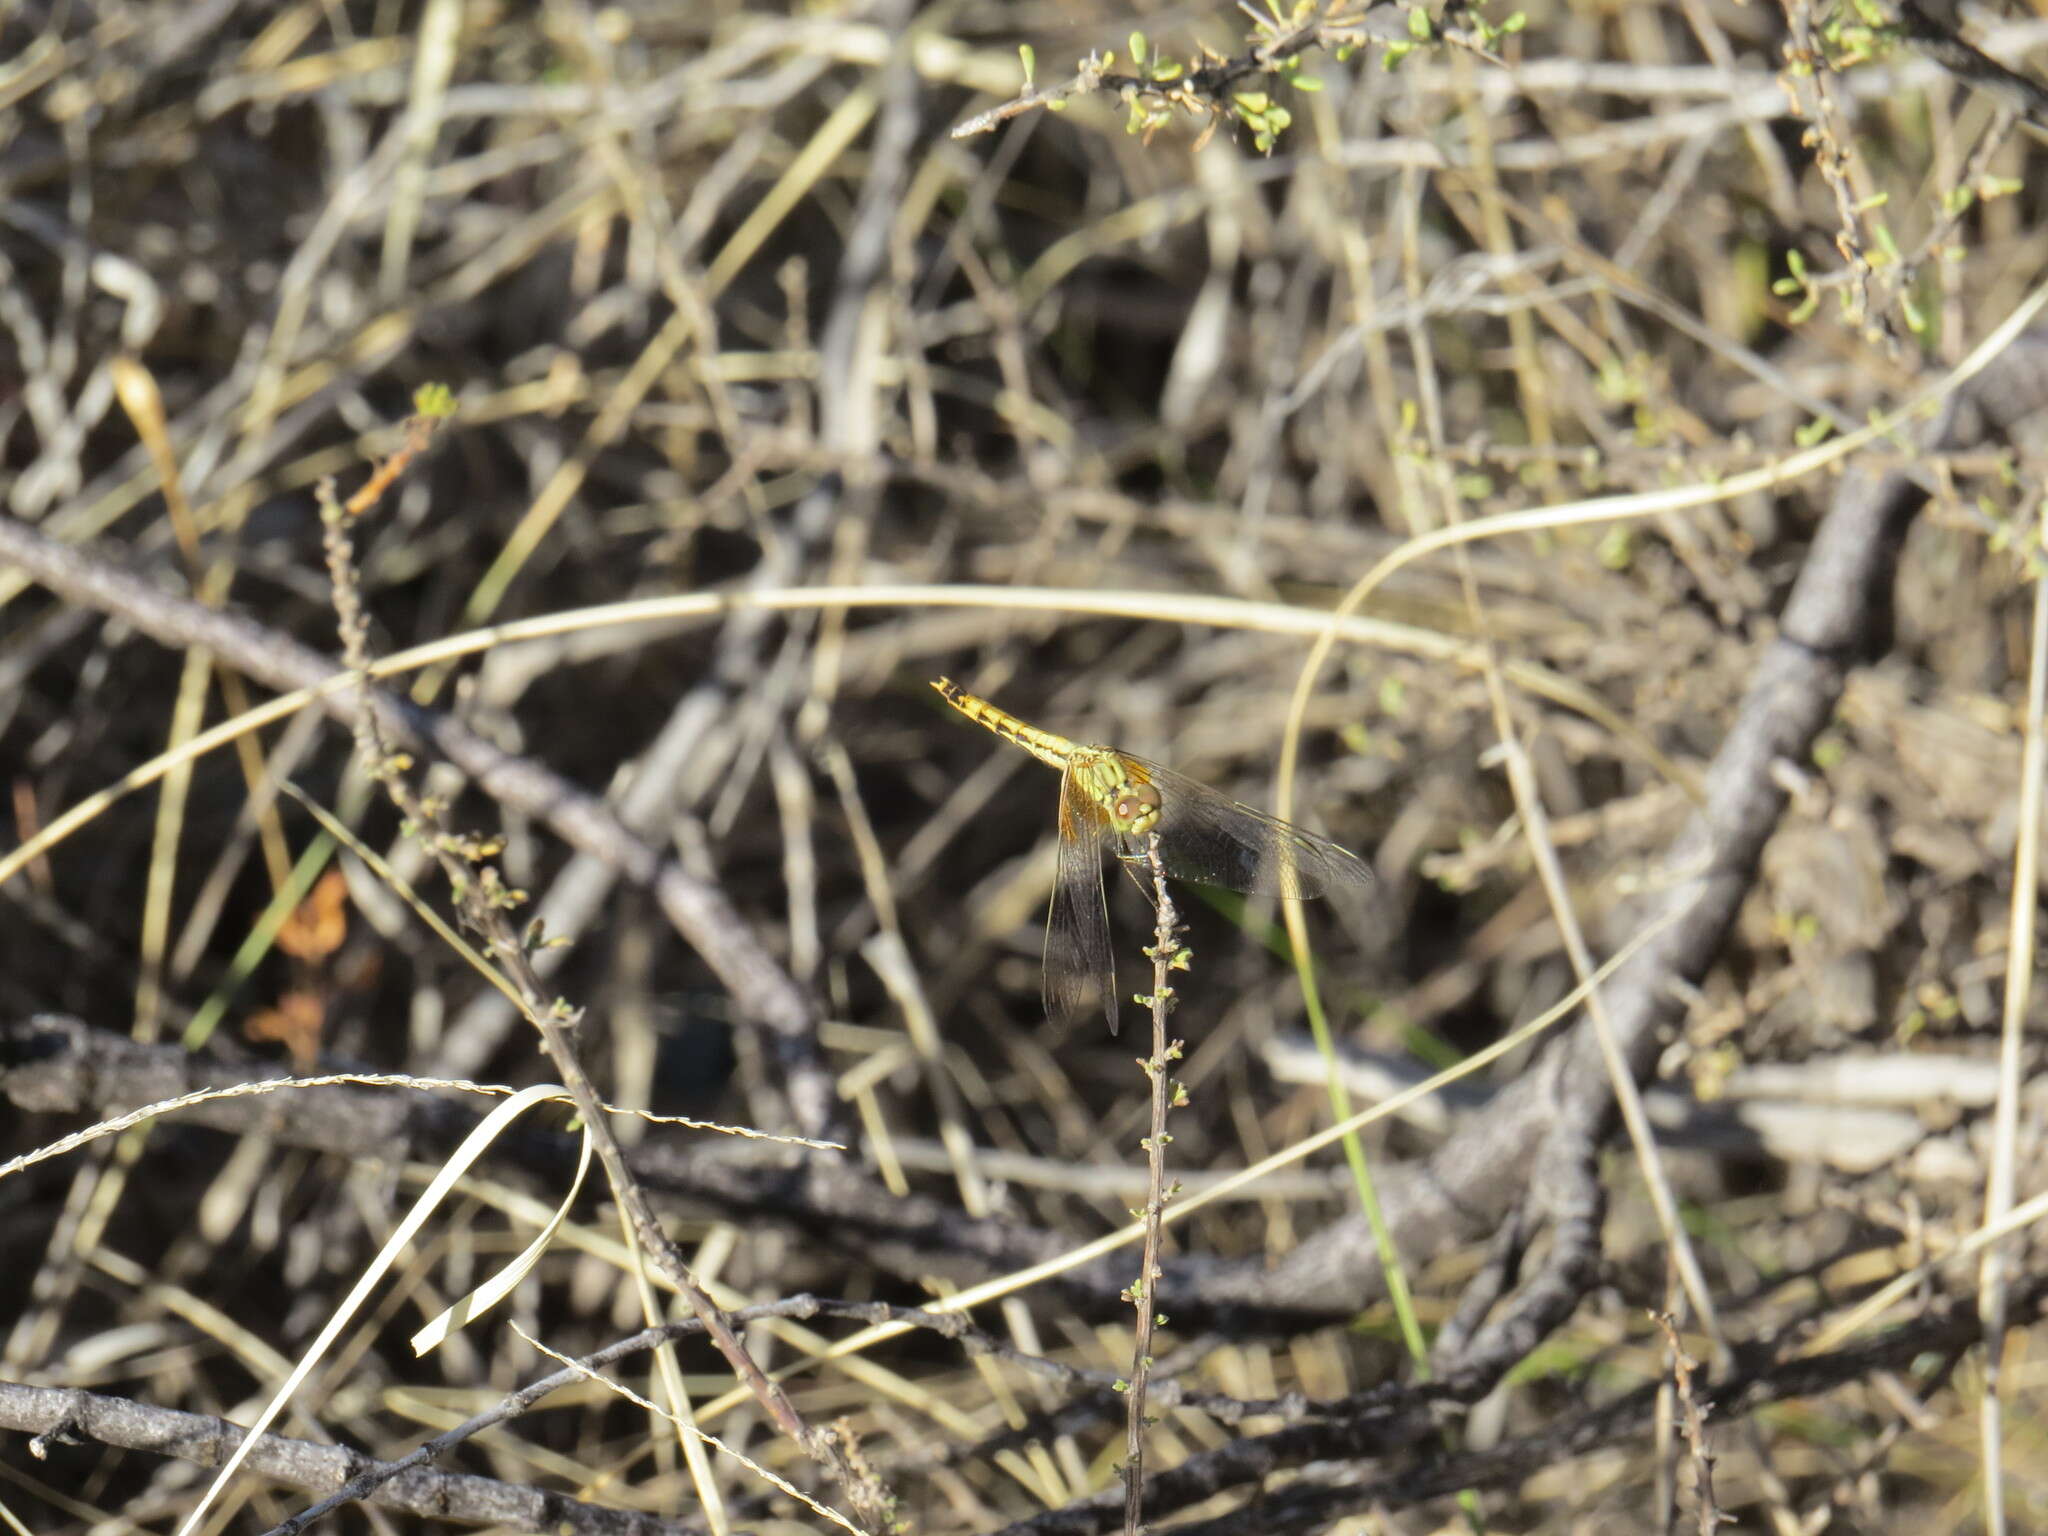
[1134, 809]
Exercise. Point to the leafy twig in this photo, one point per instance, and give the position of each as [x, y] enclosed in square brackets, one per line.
[1156, 87]
[1167, 956]
[485, 904]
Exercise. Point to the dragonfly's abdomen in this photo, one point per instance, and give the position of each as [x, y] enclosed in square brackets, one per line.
[1044, 745]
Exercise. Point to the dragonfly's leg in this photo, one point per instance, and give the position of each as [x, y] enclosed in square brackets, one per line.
[1134, 863]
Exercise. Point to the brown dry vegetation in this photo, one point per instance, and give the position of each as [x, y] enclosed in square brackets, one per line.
[729, 314]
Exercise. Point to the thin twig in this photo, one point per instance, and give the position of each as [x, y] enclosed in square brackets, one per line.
[1167, 957]
[485, 904]
[1694, 1411]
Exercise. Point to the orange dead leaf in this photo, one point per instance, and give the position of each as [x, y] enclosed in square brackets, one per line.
[296, 1021]
[320, 922]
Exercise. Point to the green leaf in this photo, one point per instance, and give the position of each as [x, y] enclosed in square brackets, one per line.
[434, 400]
[1030, 57]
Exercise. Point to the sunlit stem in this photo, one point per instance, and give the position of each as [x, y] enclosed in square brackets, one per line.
[1166, 956]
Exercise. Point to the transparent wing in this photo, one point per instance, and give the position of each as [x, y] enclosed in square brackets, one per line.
[1206, 837]
[1078, 961]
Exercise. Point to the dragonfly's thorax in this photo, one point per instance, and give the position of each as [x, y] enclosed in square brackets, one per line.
[1111, 780]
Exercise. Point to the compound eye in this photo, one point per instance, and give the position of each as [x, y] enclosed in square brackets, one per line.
[1135, 803]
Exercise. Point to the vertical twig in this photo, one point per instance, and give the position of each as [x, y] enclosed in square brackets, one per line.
[1167, 1094]
[485, 904]
[1694, 1410]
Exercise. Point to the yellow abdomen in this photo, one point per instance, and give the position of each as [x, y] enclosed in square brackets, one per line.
[1052, 750]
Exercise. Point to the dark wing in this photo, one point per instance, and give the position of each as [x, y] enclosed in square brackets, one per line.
[1078, 961]
[1206, 837]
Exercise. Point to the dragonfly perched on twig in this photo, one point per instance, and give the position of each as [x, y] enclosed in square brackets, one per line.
[1110, 796]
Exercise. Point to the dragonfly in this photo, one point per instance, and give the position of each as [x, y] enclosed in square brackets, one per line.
[1108, 797]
